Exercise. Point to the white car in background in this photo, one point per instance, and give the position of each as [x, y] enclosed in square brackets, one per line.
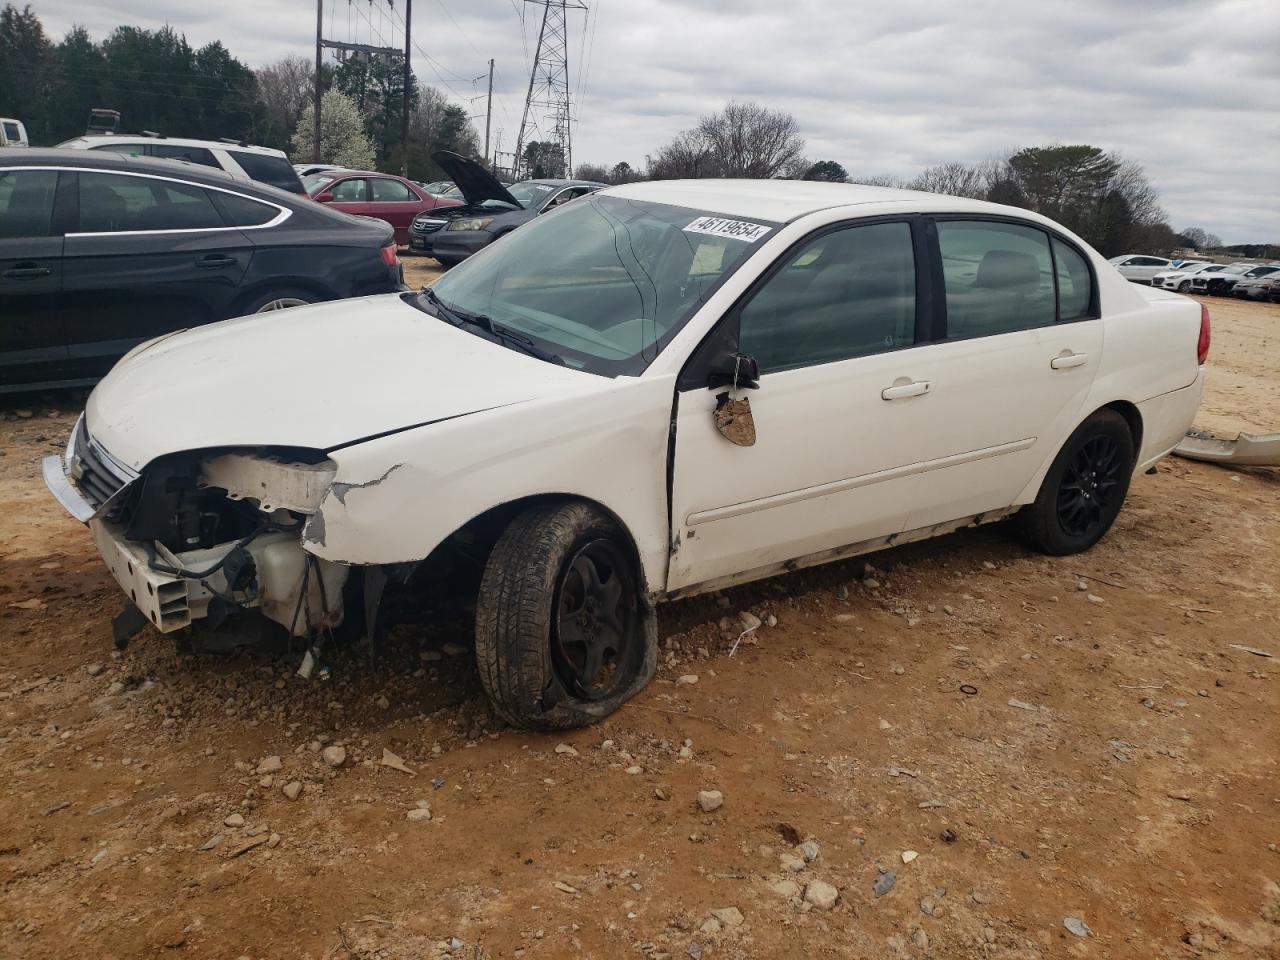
[241, 160]
[1140, 268]
[1179, 278]
[661, 389]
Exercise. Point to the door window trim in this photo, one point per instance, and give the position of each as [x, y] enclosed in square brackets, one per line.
[725, 334]
[1094, 311]
[284, 212]
[413, 195]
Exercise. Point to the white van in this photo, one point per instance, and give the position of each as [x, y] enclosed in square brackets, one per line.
[13, 133]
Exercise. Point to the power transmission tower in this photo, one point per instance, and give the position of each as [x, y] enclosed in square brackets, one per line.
[549, 80]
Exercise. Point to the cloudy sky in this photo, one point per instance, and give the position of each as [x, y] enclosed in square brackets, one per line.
[1188, 88]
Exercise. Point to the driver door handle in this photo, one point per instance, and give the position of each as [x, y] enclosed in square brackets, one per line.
[899, 391]
[1069, 360]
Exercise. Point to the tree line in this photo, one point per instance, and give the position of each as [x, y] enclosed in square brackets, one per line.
[160, 83]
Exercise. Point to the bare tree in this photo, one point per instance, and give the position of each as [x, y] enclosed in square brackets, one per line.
[955, 179]
[752, 141]
[285, 88]
[742, 140]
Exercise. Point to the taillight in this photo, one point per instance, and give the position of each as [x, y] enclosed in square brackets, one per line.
[1202, 347]
[390, 258]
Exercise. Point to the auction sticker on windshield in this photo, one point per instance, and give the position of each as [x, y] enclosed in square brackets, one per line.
[720, 227]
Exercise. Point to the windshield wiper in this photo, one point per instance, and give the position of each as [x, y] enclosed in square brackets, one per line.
[503, 335]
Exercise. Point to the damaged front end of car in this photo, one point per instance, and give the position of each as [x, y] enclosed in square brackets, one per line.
[199, 537]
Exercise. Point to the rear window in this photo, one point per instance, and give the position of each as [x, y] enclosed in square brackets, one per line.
[276, 171]
[190, 154]
[26, 202]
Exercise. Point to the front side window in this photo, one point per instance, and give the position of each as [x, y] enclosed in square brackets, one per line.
[26, 202]
[605, 283]
[111, 203]
[998, 278]
[350, 191]
[189, 154]
[849, 293]
[386, 190]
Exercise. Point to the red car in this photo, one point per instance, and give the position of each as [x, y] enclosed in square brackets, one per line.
[383, 196]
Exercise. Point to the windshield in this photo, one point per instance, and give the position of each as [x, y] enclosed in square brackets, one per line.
[529, 193]
[602, 283]
[315, 181]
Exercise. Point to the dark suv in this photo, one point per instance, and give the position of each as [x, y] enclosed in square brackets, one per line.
[99, 252]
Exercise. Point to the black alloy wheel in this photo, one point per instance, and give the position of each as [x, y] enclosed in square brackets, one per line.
[595, 622]
[1091, 481]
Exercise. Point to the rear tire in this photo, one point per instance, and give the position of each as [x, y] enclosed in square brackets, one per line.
[282, 298]
[564, 635]
[1084, 489]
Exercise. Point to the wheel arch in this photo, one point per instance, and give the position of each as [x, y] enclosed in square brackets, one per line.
[1132, 418]
[481, 532]
[301, 284]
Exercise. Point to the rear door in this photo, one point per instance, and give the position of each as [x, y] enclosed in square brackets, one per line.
[1023, 341]
[33, 346]
[150, 255]
[395, 202]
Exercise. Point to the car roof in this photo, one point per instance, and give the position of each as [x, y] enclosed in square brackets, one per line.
[94, 140]
[781, 201]
[365, 173]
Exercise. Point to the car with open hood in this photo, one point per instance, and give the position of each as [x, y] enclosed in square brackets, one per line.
[660, 390]
[490, 210]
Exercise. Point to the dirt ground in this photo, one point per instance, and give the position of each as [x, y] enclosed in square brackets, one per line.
[1114, 761]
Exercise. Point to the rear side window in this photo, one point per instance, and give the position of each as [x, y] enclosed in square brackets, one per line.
[110, 203]
[128, 149]
[11, 132]
[190, 154]
[386, 190]
[998, 278]
[26, 202]
[264, 168]
[240, 211]
[1075, 284]
[849, 293]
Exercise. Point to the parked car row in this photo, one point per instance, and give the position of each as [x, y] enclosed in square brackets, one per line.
[1200, 276]
[367, 193]
[490, 211]
[101, 251]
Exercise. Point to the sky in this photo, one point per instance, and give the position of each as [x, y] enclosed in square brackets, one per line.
[1190, 89]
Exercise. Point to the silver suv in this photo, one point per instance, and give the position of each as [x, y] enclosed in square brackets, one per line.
[241, 160]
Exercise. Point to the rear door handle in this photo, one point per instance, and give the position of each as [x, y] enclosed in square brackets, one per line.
[912, 388]
[213, 262]
[1066, 361]
[26, 272]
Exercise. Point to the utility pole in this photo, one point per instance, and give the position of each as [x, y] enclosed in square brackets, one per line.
[488, 114]
[549, 78]
[315, 151]
[404, 111]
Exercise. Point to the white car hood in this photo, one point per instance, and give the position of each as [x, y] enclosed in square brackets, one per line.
[317, 377]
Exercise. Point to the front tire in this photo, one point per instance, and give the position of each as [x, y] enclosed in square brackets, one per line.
[1184, 286]
[564, 635]
[1084, 489]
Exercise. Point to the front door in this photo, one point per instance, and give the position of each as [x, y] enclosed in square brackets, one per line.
[833, 330]
[150, 256]
[33, 346]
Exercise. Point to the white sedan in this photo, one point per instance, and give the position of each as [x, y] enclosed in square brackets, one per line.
[661, 390]
[1140, 268]
[1179, 278]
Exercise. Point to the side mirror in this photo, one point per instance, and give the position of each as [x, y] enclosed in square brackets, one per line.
[324, 196]
[735, 370]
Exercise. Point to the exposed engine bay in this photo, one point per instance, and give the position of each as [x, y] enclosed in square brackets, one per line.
[202, 535]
